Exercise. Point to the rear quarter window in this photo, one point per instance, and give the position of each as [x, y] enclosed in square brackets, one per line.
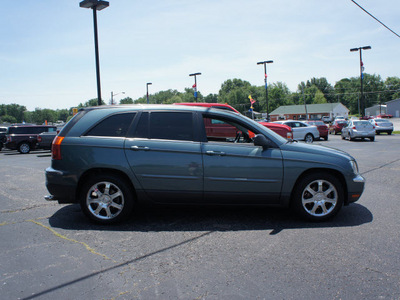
[113, 126]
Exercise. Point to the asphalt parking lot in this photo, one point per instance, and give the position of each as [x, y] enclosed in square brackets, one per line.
[51, 251]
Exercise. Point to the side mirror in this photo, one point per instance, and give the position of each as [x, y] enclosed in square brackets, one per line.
[261, 140]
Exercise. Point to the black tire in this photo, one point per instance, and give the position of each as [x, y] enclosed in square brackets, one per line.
[372, 139]
[322, 205]
[309, 138]
[106, 199]
[24, 148]
[389, 133]
[1, 145]
[326, 138]
[378, 132]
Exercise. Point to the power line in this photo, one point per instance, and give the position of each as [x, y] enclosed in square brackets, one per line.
[374, 17]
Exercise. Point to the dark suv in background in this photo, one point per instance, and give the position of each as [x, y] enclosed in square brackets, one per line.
[110, 158]
[3, 131]
[24, 137]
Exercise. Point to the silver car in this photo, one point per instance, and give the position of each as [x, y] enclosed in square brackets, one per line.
[302, 131]
[382, 125]
[360, 129]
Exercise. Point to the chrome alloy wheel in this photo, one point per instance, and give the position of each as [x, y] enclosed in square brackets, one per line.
[309, 138]
[319, 198]
[105, 200]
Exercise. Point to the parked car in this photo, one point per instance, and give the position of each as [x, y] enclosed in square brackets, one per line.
[24, 137]
[366, 117]
[340, 118]
[282, 130]
[322, 128]
[382, 125]
[326, 119]
[111, 157]
[3, 139]
[384, 116]
[301, 130]
[358, 129]
[336, 127]
[45, 139]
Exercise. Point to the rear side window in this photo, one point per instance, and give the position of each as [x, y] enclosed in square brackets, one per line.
[113, 126]
[165, 126]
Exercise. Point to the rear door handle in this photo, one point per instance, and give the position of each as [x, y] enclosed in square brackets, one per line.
[220, 153]
[140, 148]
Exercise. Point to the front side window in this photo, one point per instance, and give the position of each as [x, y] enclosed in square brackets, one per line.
[224, 130]
[113, 126]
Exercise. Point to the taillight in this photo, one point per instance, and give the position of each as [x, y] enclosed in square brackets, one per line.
[39, 138]
[376, 124]
[354, 127]
[9, 139]
[56, 148]
[289, 135]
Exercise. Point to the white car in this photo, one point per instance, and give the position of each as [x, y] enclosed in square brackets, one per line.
[302, 131]
[382, 125]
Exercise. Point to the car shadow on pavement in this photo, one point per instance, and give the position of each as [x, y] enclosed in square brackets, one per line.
[154, 219]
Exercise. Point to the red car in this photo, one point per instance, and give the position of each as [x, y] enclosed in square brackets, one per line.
[322, 128]
[384, 116]
[283, 130]
[337, 126]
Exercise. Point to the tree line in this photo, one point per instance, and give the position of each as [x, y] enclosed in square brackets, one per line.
[235, 92]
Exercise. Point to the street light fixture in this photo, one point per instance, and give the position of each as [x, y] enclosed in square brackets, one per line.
[265, 80]
[147, 91]
[195, 84]
[361, 76]
[112, 96]
[96, 5]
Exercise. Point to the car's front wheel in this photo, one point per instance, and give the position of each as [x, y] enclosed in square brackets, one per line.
[106, 199]
[318, 196]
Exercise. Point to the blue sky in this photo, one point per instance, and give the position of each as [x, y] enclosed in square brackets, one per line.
[47, 48]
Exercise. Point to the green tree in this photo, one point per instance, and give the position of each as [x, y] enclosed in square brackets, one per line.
[8, 119]
[62, 114]
[127, 100]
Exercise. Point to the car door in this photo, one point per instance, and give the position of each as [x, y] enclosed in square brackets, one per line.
[298, 132]
[236, 171]
[166, 158]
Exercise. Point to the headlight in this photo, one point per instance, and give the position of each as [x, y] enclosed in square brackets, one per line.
[354, 166]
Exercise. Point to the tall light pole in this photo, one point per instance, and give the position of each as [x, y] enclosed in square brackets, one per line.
[362, 108]
[195, 84]
[265, 81]
[147, 91]
[96, 5]
[112, 96]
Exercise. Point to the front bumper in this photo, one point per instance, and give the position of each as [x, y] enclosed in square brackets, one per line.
[355, 189]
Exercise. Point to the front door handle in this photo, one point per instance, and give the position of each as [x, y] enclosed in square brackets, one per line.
[140, 148]
[219, 153]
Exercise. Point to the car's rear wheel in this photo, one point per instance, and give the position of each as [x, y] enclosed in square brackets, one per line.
[309, 138]
[24, 148]
[318, 197]
[389, 133]
[325, 138]
[372, 139]
[106, 199]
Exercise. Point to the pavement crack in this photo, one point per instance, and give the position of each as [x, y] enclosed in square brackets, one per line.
[380, 167]
[90, 249]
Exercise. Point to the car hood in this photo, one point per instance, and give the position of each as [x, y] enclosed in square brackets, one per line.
[316, 150]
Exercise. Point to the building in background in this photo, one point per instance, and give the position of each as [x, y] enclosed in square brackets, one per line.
[314, 112]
